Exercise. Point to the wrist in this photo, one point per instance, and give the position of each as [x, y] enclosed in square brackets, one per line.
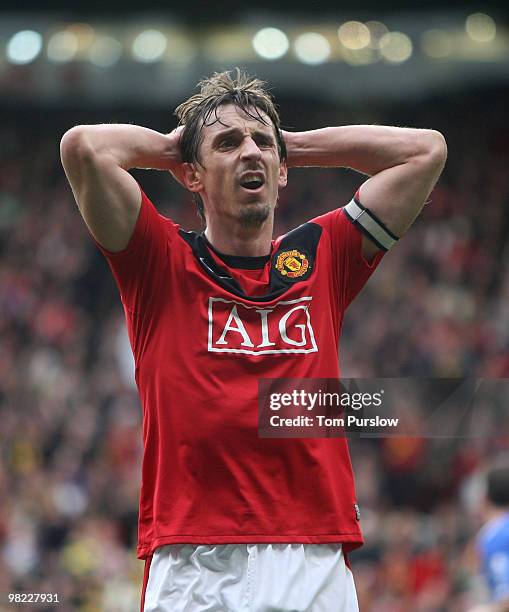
[292, 147]
[155, 151]
[173, 152]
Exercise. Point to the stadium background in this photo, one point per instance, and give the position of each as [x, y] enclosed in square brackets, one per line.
[70, 442]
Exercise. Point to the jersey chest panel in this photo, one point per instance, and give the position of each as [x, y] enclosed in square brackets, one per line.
[217, 322]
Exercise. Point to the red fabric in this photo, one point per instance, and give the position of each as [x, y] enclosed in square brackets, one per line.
[347, 561]
[146, 572]
[207, 478]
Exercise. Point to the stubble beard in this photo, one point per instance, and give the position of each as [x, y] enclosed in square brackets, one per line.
[254, 215]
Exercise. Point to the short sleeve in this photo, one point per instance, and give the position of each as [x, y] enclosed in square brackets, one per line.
[139, 269]
[493, 550]
[350, 269]
[499, 570]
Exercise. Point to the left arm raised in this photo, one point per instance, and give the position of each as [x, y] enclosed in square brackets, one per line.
[404, 164]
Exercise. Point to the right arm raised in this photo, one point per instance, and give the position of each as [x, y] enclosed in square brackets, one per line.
[96, 160]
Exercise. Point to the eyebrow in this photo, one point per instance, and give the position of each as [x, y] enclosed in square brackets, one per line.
[234, 130]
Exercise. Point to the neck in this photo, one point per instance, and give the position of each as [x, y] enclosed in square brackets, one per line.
[246, 241]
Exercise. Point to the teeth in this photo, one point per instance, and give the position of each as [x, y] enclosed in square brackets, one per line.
[251, 181]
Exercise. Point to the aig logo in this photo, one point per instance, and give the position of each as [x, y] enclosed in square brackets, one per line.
[282, 328]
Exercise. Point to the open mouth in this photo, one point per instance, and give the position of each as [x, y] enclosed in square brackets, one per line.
[252, 182]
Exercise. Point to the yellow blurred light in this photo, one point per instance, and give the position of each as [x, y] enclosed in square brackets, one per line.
[436, 43]
[84, 34]
[354, 35]
[105, 51]
[270, 43]
[62, 46]
[377, 30]
[481, 27]
[395, 47]
[312, 48]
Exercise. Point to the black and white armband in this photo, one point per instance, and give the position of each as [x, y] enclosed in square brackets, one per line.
[370, 225]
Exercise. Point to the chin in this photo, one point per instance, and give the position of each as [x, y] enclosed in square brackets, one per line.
[255, 214]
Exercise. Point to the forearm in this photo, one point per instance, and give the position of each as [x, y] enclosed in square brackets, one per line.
[365, 148]
[129, 146]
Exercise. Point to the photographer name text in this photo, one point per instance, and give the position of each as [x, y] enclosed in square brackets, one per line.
[318, 400]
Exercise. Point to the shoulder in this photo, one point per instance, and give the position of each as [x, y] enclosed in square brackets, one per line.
[152, 232]
[495, 532]
[331, 219]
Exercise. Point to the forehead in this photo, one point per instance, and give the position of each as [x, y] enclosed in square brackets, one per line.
[231, 116]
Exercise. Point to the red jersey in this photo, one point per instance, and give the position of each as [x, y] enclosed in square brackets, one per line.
[204, 328]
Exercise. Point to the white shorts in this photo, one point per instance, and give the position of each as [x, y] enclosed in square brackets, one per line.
[250, 578]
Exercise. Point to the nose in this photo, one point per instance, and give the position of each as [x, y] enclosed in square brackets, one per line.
[250, 149]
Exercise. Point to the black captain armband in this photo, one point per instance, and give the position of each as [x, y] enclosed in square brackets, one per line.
[370, 225]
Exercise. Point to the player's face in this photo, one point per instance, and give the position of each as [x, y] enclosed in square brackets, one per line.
[240, 172]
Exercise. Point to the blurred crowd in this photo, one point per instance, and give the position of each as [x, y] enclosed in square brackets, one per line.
[70, 437]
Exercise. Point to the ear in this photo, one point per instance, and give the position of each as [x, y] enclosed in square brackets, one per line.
[191, 177]
[283, 175]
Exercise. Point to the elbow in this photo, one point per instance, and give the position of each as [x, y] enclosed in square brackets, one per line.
[436, 147]
[74, 144]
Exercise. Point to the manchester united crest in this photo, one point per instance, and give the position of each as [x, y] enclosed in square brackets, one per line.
[292, 264]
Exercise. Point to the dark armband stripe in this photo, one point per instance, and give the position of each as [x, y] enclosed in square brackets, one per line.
[370, 225]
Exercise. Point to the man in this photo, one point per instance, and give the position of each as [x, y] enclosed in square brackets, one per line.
[230, 521]
[493, 540]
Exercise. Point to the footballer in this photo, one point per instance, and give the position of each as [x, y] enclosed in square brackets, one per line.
[229, 521]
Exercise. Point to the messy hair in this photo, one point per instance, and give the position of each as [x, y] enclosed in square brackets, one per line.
[230, 87]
